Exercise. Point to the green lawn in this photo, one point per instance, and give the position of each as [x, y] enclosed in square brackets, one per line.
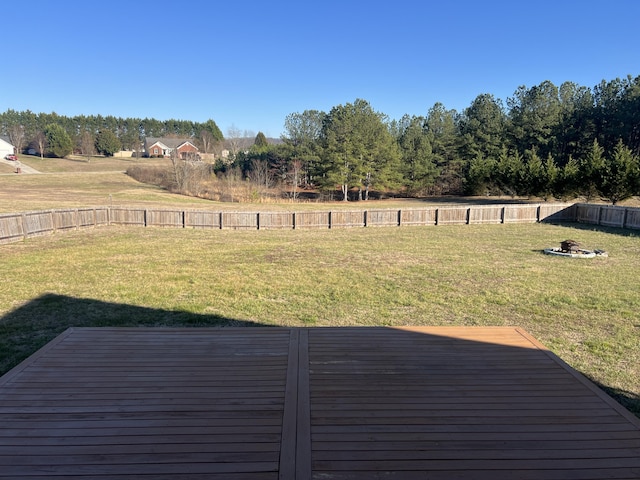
[587, 311]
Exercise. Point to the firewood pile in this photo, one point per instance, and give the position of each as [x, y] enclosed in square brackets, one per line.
[570, 246]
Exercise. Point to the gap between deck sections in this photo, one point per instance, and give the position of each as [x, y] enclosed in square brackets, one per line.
[295, 451]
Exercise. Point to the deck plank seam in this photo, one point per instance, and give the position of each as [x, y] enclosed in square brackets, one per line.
[287, 463]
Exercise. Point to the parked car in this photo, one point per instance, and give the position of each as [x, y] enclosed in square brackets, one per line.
[13, 158]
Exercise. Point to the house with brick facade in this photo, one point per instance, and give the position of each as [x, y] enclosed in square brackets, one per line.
[155, 147]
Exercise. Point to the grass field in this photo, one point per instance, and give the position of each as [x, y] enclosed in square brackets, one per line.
[80, 164]
[68, 183]
[587, 311]
[71, 183]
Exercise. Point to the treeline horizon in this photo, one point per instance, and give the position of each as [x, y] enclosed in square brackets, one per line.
[546, 141]
[129, 131]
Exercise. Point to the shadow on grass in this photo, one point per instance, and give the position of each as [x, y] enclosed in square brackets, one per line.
[78, 160]
[627, 399]
[28, 328]
[476, 200]
[588, 227]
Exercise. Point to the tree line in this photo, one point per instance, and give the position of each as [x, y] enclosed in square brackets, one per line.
[547, 141]
[57, 135]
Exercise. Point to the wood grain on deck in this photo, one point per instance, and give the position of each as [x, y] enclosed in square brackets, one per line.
[287, 403]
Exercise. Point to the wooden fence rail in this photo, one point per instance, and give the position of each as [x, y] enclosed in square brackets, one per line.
[17, 226]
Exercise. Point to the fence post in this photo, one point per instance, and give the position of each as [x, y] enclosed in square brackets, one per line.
[599, 215]
[144, 217]
[503, 214]
[24, 226]
[624, 217]
[468, 219]
[184, 219]
[399, 218]
[220, 218]
[437, 215]
[364, 215]
[258, 220]
[329, 218]
[294, 220]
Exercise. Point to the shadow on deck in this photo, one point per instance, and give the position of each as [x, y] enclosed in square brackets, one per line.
[298, 403]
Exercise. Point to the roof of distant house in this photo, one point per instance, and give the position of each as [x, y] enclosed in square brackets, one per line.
[167, 142]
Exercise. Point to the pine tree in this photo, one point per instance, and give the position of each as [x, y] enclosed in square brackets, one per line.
[591, 171]
[58, 141]
[620, 174]
[107, 143]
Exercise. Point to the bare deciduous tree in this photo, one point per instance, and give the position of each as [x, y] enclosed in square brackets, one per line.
[41, 141]
[238, 140]
[248, 138]
[261, 178]
[87, 145]
[188, 175]
[16, 136]
[217, 149]
[207, 141]
[234, 138]
[231, 182]
[294, 175]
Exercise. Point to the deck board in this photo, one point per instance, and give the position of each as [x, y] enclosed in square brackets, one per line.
[323, 403]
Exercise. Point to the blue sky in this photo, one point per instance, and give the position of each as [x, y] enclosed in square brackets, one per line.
[248, 64]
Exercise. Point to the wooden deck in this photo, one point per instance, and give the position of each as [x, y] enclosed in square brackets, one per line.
[318, 403]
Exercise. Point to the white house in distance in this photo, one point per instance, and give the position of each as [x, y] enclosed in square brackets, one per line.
[6, 148]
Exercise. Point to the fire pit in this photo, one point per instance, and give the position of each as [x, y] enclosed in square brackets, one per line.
[571, 248]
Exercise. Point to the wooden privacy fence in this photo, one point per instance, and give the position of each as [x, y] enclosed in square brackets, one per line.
[458, 215]
[18, 226]
[607, 215]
